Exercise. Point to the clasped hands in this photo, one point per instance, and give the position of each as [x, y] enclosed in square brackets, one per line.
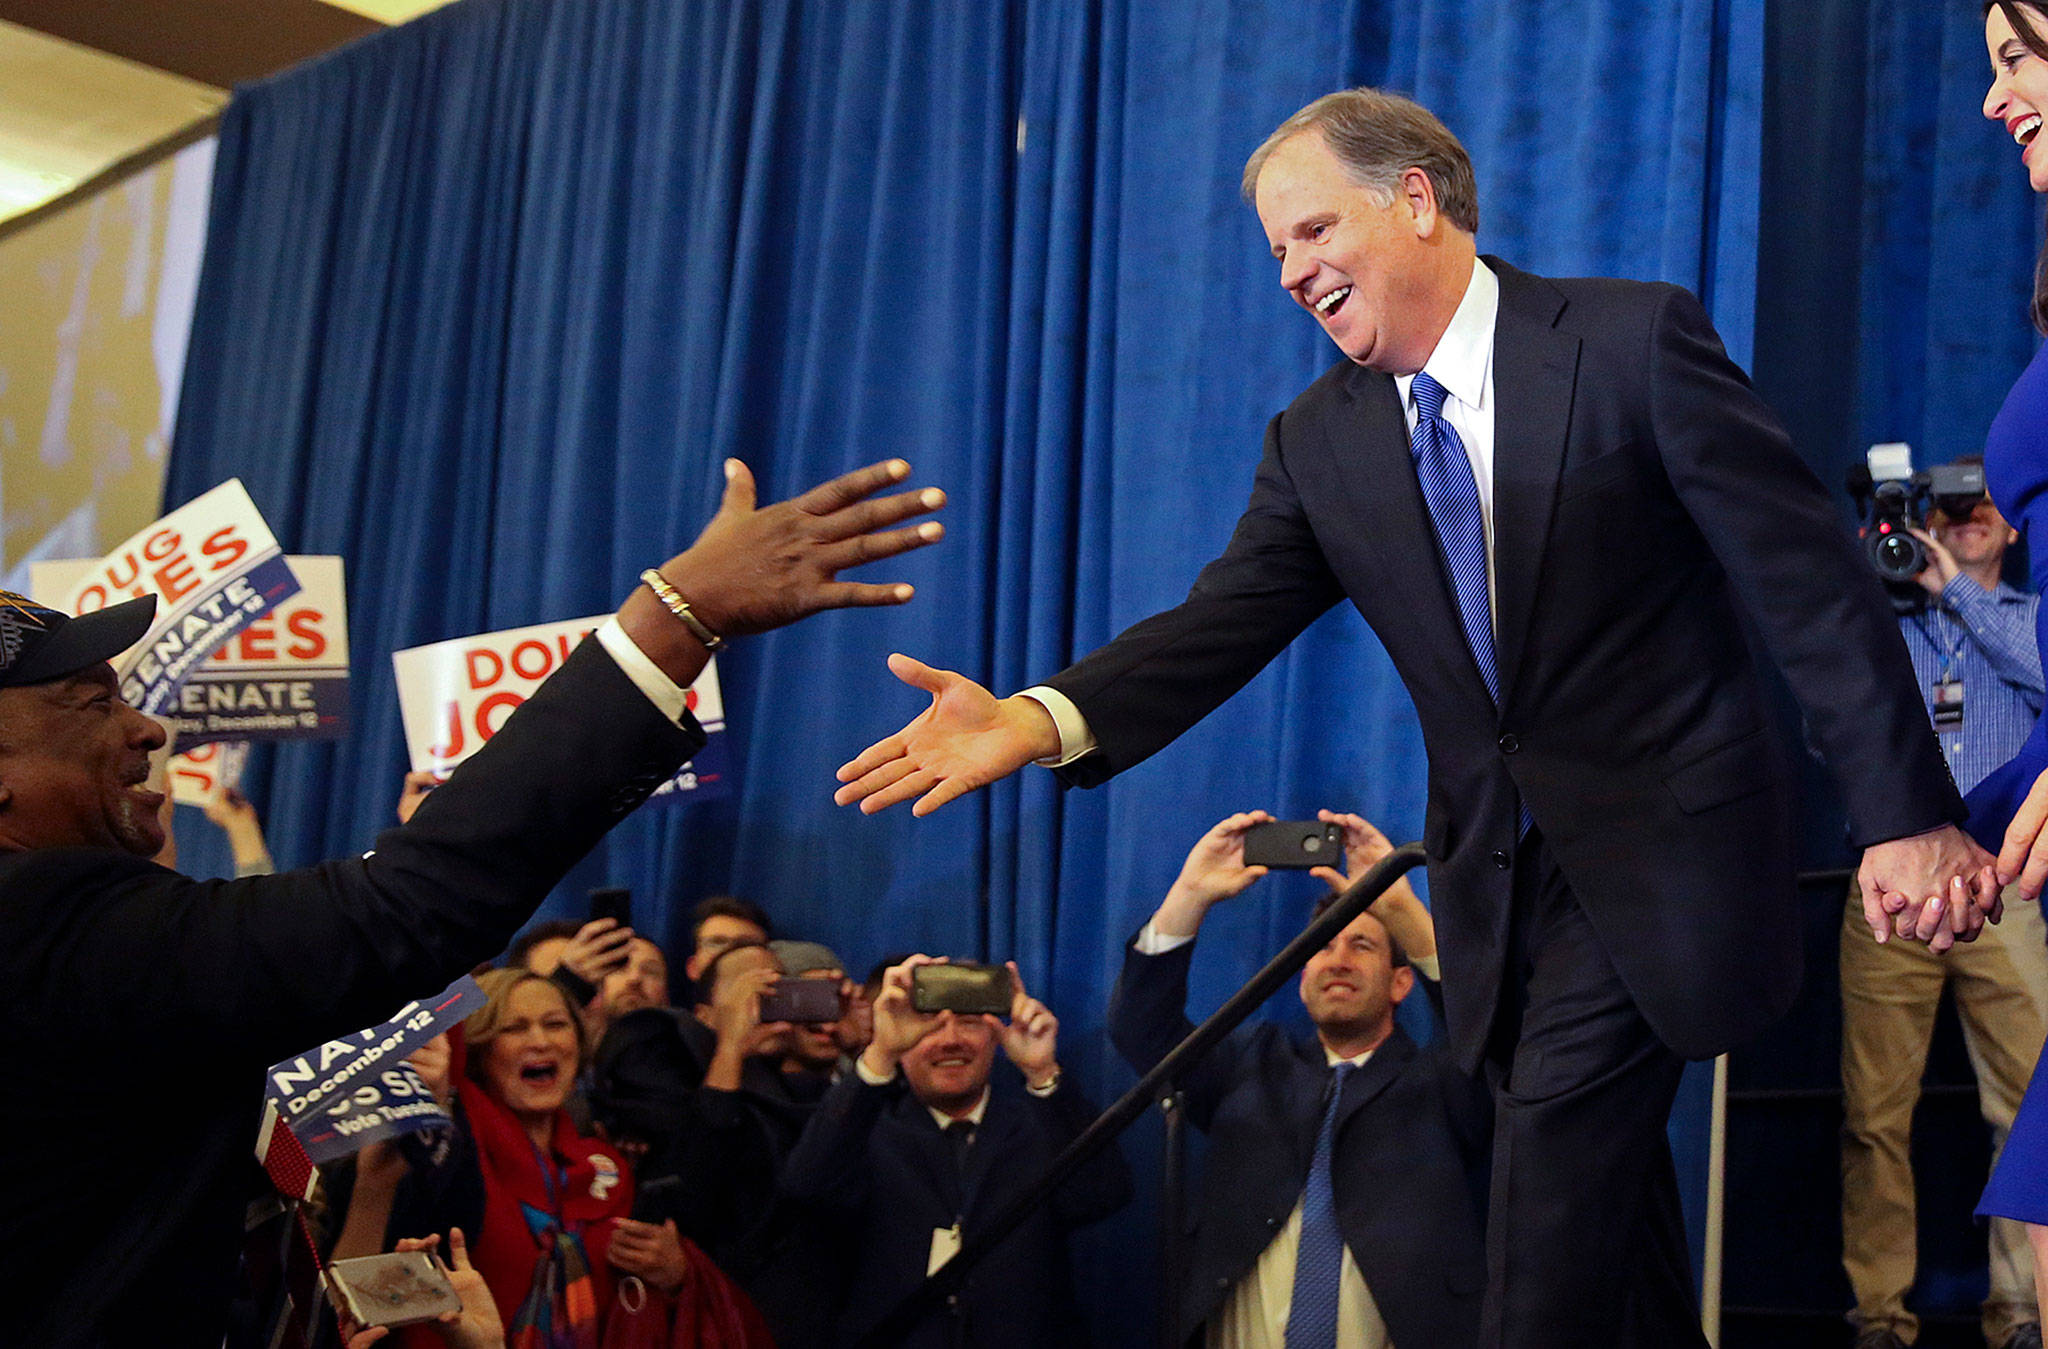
[1938, 887]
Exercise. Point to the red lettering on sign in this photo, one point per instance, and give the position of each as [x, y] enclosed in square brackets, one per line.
[305, 625]
[223, 549]
[169, 576]
[114, 577]
[487, 719]
[454, 745]
[257, 640]
[480, 659]
[539, 652]
[160, 545]
[92, 599]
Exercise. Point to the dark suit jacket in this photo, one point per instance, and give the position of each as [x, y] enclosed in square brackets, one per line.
[1641, 491]
[1408, 1167]
[141, 1007]
[874, 1158]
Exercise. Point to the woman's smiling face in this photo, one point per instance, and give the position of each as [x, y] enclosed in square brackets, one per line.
[530, 1064]
[2018, 97]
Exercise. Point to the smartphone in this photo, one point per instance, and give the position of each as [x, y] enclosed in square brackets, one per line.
[614, 902]
[965, 988]
[807, 1001]
[1296, 844]
[654, 1199]
[401, 1288]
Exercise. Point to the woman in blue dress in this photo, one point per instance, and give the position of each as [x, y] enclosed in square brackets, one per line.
[2009, 808]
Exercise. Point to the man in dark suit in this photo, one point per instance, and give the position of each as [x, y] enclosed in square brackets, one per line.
[917, 1147]
[142, 1007]
[1358, 1140]
[1548, 498]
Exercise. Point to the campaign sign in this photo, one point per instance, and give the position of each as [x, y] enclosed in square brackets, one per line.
[214, 567]
[200, 775]
[454, 695]
[354, 1091]
[283, 677]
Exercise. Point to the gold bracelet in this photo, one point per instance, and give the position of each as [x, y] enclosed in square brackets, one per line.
[680, 607]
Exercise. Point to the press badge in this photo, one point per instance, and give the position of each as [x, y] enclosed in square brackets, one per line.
[1946, 702]
[945, 1245]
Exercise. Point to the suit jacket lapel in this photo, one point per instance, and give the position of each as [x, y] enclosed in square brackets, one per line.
[1379, 1071]
[1535, 366]
[1377, 470]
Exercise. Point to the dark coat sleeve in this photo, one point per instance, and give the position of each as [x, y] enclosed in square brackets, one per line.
[260, 968]
[1167, 672]
[1775, 532]
[829, 1165]
[1147, 1018]
[1099, 1186]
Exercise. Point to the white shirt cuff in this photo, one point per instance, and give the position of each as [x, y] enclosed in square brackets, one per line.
[861, 1070]
[1076, 739]
[667, 696]
[1151, 942]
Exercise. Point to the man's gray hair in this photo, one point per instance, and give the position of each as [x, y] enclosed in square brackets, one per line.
[1377, 137]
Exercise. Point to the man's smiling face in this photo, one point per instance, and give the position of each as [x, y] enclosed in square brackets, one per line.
[73, 757]
[1351, 256]
[1350, 986]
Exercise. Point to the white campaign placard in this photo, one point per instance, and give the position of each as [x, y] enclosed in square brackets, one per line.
[454, 695]
[282, 677]
[214, 567]
[201, 774]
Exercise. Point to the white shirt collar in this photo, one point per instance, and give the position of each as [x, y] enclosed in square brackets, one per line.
[1331, 1059]
[942, 1119]
[1464, 354]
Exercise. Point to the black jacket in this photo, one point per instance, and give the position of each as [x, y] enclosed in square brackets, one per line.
[876, 1162]
[1408, 1168]
[141, 1007]
[1642, 491]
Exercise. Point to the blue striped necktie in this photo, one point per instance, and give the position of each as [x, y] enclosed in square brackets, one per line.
[1453, 500]
[1319, 1259]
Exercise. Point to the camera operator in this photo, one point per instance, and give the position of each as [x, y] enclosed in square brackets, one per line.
[1978, 665]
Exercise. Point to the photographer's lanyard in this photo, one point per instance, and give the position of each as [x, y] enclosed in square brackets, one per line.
[1945, 699]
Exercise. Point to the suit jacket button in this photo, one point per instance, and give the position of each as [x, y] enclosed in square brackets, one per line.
[1508, 743]
[1272, 1224]
[1500, 859]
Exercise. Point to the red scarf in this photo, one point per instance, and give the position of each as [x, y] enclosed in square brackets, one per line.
[585, 1186]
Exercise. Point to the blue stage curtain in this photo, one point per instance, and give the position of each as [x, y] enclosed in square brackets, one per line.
[488, 298]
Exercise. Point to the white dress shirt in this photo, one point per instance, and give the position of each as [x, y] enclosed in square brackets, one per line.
[668, 697]
[1463, 363]
[1254, 1315]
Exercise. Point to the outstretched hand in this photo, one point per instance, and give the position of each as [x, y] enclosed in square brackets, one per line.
[760, 567]
[966, 739]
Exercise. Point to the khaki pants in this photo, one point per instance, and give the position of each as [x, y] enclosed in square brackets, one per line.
[1889, 995]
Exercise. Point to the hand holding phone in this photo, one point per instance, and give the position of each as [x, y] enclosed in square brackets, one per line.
[1297, 845]
[400, 1288]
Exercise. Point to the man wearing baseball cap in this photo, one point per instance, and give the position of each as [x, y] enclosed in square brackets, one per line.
[141, 1007]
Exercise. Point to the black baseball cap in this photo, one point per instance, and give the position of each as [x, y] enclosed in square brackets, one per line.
[38, 643]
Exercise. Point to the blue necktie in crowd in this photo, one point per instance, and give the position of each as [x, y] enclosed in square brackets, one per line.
[1319, 1260]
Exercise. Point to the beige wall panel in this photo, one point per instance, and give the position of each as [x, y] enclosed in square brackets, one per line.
[97, 301]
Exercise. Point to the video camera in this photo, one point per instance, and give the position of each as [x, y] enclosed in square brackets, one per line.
[1891, 500]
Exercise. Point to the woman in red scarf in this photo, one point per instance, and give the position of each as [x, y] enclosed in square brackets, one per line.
[547, 1207]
